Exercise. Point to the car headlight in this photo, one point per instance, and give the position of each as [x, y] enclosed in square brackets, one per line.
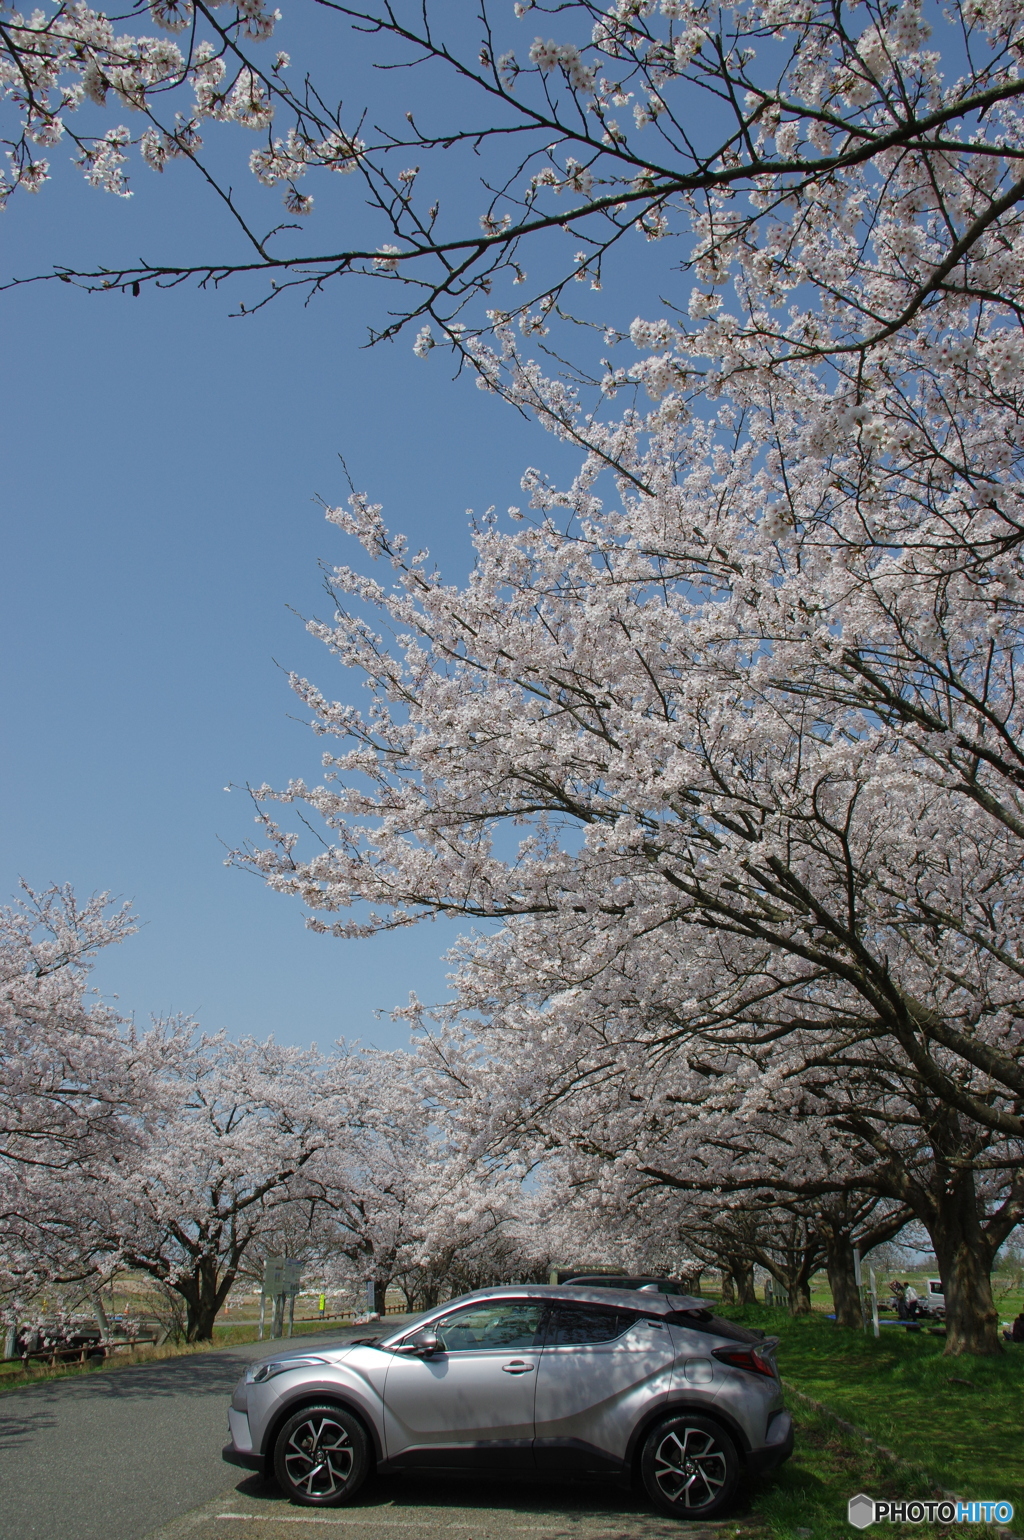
[256, 1374]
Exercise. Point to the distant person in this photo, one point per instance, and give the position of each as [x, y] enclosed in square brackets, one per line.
[912, 1301]
[1016, 1332]
[898, 1291]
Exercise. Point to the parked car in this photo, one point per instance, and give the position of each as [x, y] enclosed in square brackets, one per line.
[555, 1378]
[607, 1281]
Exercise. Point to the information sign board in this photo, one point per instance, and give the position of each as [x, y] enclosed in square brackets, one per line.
[281, 1275]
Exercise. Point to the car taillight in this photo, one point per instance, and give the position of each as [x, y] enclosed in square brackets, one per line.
[745, 1358]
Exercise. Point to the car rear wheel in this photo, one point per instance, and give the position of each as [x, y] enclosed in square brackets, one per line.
[321, 1457]
[689, 1466]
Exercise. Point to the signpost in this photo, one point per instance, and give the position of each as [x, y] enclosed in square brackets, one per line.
[874, 1304]
[858, 1278]
[281, 1279]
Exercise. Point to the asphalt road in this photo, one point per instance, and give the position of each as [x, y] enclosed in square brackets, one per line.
[118, 1453]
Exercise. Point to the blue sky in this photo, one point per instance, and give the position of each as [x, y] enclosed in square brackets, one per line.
[160, 528]
[160, 469]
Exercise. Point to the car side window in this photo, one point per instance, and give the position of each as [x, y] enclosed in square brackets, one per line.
[582, 1325]
[507, 1325]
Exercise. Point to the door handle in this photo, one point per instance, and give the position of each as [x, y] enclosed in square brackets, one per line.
[517, 1366]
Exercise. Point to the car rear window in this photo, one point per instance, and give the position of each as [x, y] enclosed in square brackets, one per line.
[714, 1325]
[581, 1325]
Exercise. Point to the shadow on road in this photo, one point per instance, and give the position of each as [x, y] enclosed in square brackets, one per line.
[216, 1372]
[590, 1509]
[203, 1373]
[593, 1498]
[23, 1425]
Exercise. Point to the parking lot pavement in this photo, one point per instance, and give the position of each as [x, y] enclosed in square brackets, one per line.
[112, 1454]
[437, 1508]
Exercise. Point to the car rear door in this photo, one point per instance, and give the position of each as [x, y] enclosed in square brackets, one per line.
[470, 1405]
[599, 1369]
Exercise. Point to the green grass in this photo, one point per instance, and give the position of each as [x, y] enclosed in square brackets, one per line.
[806, 1499]
[958, 1418]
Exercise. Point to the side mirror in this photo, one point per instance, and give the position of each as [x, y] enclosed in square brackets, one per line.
[422, 1344]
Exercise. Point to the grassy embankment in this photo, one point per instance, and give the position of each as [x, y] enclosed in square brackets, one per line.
[952, 1423]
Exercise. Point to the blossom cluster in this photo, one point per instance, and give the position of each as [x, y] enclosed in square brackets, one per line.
[55, 61]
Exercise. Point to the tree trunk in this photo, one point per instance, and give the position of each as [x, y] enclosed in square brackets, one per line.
[741, 1273]
[728, 1288]
[100, 1314]
[376, 1294]
[964, 1255]
[799, 1296]
[200, 1317]
[204, 1293]
[843, 1280]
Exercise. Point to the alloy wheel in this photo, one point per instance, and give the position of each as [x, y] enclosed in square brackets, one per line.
[318, 1457]
[690, 1467]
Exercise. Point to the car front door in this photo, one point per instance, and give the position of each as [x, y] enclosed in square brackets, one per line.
[470, 1404]
[598, 1372]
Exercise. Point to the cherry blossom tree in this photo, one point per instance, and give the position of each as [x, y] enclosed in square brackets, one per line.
[400, 1200]
[376, 1175]
[770, 140]
[837, 1130]
[190, 1157]
[484, 1229]
[71, 1078]
[228, 1148]
[647, 1117]
[64, 1072]
[663, 691]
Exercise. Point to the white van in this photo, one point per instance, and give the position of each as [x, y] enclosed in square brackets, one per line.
[935, 1300]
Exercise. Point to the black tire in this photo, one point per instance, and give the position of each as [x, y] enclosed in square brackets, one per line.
[321, 1456]
[689, 1466]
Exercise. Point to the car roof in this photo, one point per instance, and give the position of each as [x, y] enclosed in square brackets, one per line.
[628, 1299]
[627, 1280]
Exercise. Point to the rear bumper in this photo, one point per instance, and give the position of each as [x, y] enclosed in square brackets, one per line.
[248, 1459]
[778, 1447]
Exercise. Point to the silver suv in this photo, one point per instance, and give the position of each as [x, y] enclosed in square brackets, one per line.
[559, 1379]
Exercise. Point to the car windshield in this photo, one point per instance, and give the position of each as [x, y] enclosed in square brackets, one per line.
[506, 1324]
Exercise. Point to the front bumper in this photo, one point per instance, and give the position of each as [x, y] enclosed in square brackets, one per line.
[247, 1458]
[777, 1449]
[238, 1450]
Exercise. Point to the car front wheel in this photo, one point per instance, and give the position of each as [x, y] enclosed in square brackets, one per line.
[689, 1466]
[321, 1457]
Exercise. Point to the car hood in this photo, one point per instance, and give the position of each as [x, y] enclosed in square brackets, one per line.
[299, 1356]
